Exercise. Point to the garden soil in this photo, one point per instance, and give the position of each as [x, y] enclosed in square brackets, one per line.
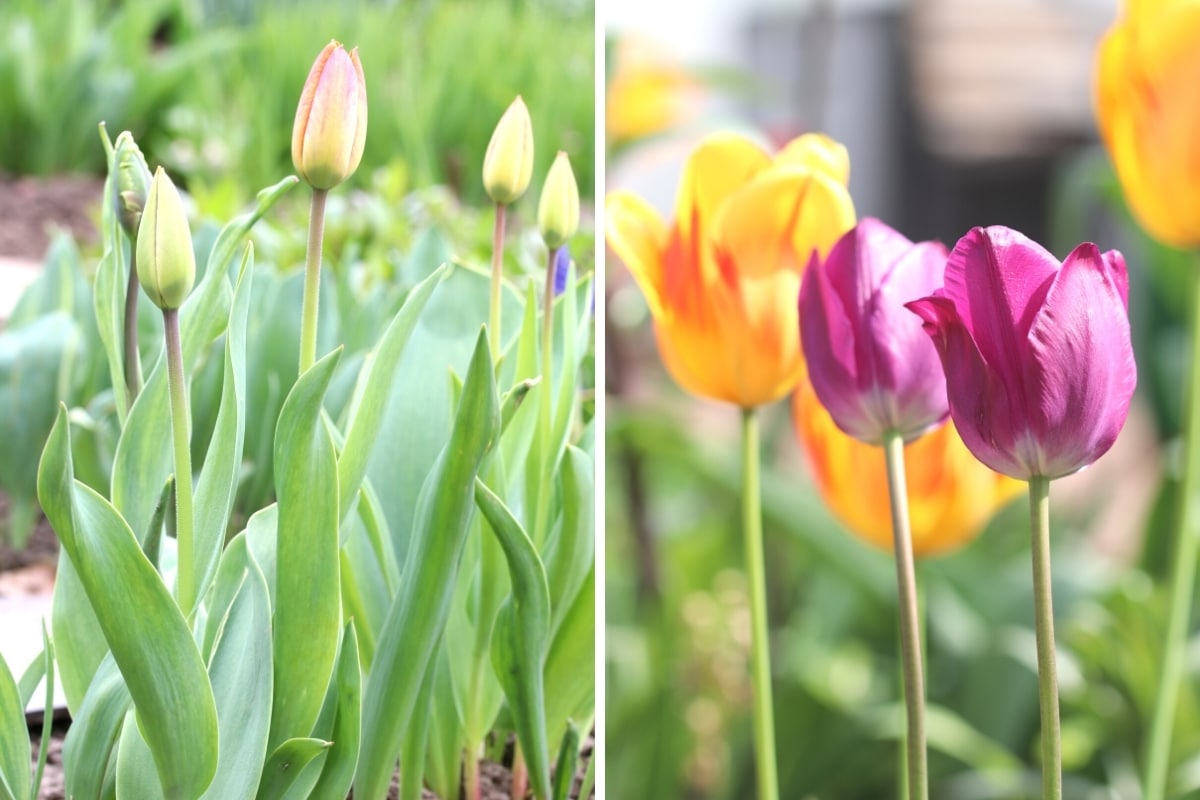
[32, 208]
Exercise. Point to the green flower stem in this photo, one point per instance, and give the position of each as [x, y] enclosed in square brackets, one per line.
[1183, 579]
[546, 407]
[910, 619]
[312, 280]
[760, 656]
[186, 581]
[133, 362]
[1043, 605]
[497, 281]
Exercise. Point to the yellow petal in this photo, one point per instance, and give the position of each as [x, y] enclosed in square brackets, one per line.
[817, 152]
[638, 237]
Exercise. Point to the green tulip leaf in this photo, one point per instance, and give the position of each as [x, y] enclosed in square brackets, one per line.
[150, 640]
[308, 613]
[571, 663]
[344, 705]
[136, 776]
[15, 779]
[241, 673]
[419, 611]
[95, 726]
[521, 636]
[571, 551]
[216, 486]
[286, 764]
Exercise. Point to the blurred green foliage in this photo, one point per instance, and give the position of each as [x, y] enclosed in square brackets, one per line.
[209, 88]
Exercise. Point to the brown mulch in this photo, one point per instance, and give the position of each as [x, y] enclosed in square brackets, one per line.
[31, 569]
[30, 208]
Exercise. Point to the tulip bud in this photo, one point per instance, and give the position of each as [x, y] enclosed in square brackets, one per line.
[331, 120]
[558, 210]
[131, 182]
[166, 264]
[508, 164]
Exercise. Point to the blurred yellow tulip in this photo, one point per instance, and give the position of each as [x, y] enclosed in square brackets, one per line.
[951, 495]
[646, 93]
[1148, 108]
[723, 280]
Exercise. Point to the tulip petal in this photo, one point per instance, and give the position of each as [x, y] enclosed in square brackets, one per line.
[979, 404]
[638, 236]
[720, 165]
[1080, 343]
[827, 337]
[819, 153]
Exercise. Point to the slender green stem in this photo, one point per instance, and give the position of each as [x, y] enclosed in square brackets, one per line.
[133, 362]
[546, 407]
[910, 619]
[497, 281]
[312, 280]
[1183, 579]
[760, 655]
[1043, 606]
[177, 387]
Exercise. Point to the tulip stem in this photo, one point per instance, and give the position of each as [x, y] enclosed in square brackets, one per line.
[546, 407]
[497, 281]
[178, 397]
[312, 280]
[133, 363]
[760, 656]
[910, 618]
[1183, 579]
[1043, 606]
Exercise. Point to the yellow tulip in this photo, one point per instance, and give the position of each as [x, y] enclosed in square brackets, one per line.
[951, 495]
[508, 162]
[558, 208]
[646, 94]
[1148, 71]
[723, 280]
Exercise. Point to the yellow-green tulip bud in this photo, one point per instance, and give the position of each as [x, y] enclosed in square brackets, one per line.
[130, 182]
[166, 264]
[331, 120]
[558, 209]
[508, 164]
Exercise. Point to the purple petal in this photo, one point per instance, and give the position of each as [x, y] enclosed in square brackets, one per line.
[1115, 262]
[1082, 362]
[997, 279]
[827, 339]
[978, 402]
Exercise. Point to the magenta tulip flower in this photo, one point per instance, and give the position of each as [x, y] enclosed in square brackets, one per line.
[1038, 358]
[870, 363]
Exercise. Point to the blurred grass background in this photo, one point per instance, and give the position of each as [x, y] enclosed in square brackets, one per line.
[209, 87]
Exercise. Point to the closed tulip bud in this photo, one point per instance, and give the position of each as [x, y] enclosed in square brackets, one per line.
[130, 182]
[166, 263]
[871, 364]
[508, 163]
[558, 209]
[1038, 357]
[331, 120]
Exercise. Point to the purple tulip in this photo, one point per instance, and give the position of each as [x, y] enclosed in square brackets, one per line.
[1038, 358]
[870, 363]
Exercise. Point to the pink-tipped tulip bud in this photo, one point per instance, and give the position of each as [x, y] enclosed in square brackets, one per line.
[331, 120]
[1038, 357]
[508, 163]
[558, 208]
[130, 182]
[166, 263]
[871, 365]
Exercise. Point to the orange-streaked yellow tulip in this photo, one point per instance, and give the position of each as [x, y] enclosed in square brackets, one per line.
[1148, 107]
[723, 280]
[951, 495]
[647, 93]
[331, 119]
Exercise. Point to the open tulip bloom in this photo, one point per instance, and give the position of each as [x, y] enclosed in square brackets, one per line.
[878, 376]
[1040, 373]
[721, 282]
